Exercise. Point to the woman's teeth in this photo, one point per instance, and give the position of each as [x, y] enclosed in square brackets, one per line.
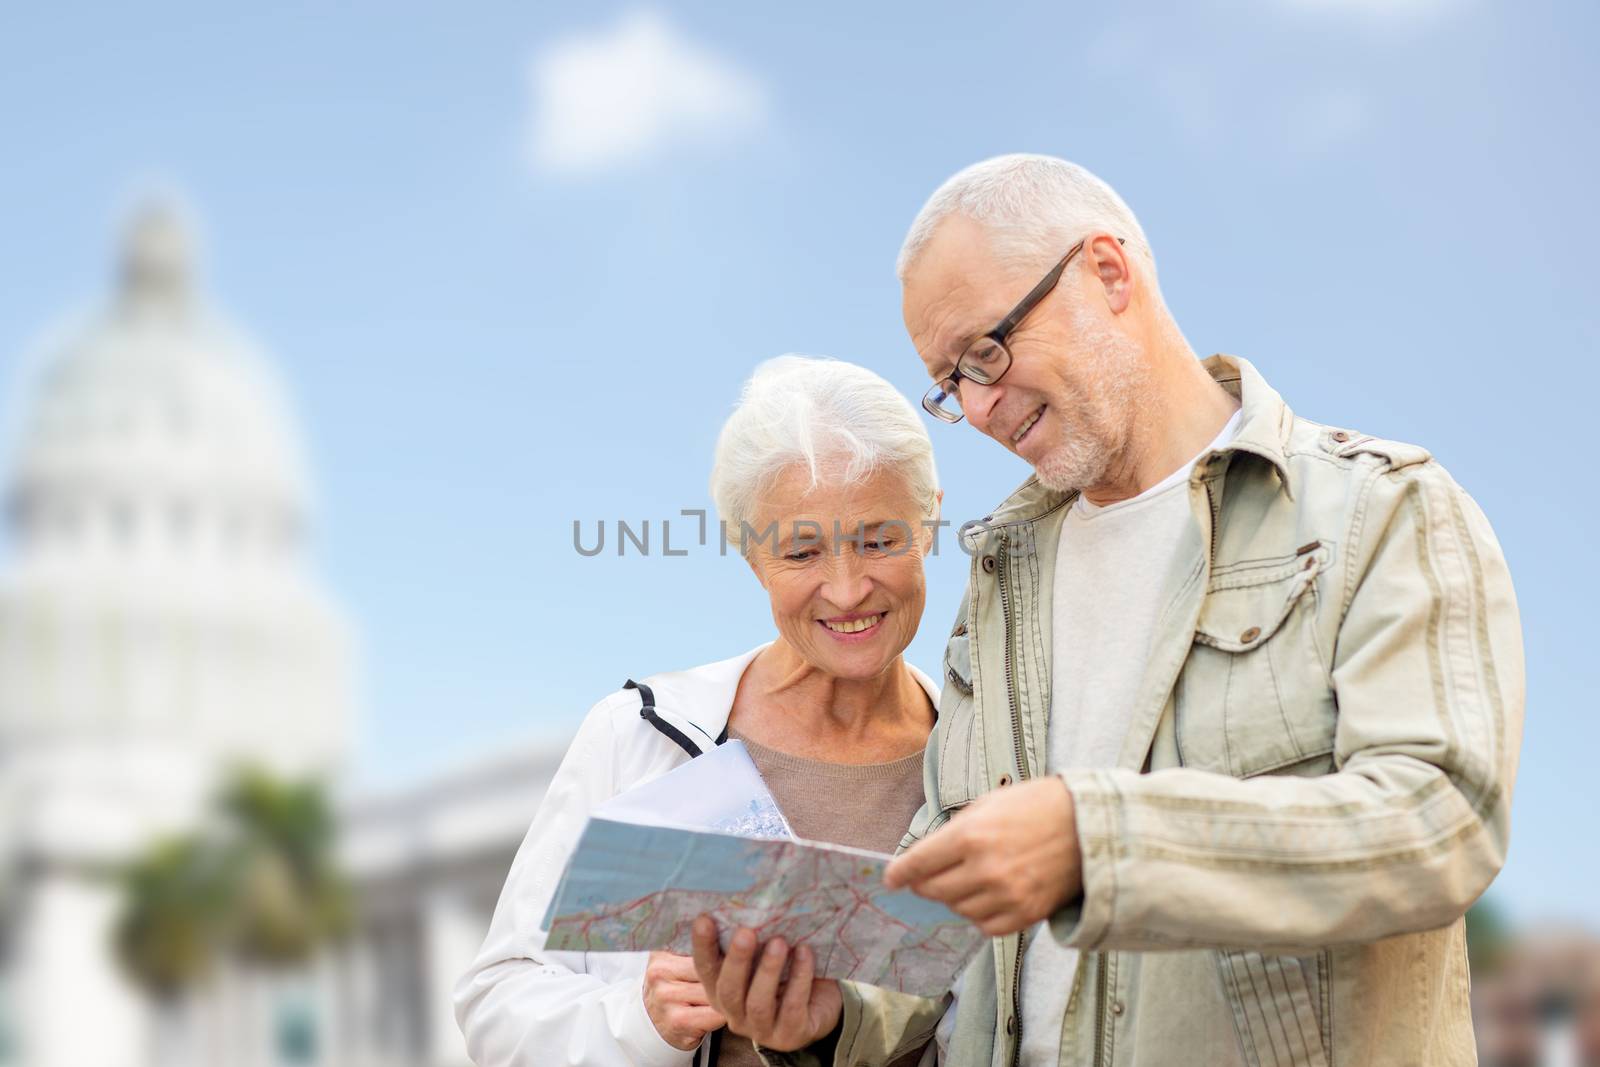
[854, 626]
[1025, 427]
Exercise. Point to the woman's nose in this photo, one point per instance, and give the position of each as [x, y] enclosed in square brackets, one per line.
[847, 584]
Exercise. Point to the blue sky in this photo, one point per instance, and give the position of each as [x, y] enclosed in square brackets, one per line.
[515, 260]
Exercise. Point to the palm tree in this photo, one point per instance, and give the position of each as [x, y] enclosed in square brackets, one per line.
[169, 931]
[288, 896]
[257, 882]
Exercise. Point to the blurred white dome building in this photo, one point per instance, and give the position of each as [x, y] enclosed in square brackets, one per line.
[158, 623]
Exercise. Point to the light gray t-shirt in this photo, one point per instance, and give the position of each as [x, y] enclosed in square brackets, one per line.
[1107, 593]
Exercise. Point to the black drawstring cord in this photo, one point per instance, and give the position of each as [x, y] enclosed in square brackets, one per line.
[647, 711]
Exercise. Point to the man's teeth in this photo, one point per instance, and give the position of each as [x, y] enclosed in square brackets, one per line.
[854, 626]
[1025, 427]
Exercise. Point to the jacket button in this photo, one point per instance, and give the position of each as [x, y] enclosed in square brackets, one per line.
[1005, 780]
[1118, 1008]
[988, 564]
[1340, 436]
[1011, 1025]
[1250, 635]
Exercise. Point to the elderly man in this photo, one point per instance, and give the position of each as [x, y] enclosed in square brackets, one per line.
[1232, 705]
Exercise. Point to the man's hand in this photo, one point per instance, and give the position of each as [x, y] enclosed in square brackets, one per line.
[1007, 861]
[745, 987]
[677, 1003]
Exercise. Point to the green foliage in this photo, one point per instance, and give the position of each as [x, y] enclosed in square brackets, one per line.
[288, 897]
[256, 882]
[172, 916]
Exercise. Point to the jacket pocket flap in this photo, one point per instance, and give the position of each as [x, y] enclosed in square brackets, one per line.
[958, 659]
[1247, 602]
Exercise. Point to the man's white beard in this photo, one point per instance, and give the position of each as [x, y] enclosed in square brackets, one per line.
[1094, 428]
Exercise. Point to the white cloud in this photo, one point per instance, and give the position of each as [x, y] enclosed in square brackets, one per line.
[604, 99]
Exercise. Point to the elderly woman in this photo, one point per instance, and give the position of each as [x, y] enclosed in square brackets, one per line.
[824, 477]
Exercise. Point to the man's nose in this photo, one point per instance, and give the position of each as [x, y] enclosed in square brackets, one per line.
[978, 402]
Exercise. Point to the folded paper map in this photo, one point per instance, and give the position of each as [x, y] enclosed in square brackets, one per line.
[634, 888]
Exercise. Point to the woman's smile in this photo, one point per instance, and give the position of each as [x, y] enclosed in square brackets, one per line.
[855, 627]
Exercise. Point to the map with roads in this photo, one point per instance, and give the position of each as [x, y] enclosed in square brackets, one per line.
[633, 888]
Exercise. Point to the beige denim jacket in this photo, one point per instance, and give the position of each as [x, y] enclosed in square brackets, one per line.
[1316, 787]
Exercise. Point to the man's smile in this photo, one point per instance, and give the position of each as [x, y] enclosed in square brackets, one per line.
[1027, 424]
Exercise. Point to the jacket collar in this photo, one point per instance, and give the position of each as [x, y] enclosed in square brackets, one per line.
[702, 697]
[1264, 425]
[1265, 420]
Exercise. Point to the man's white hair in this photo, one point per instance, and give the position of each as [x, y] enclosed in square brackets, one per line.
[1033, 207]
[835, 419]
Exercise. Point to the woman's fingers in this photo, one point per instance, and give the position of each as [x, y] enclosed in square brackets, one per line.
[669, 966]
[746, 988]
[794, 1013]
[761, 1001]
[692, 994]
[707, 953]
[734, 981]
[703, 1019]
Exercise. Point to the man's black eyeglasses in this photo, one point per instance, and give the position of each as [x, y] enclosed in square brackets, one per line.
[987, 359]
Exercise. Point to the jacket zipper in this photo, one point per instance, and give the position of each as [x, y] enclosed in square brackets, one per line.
[1023, 774]
[1016, 999]
[1100, 1011]
[1211, 536]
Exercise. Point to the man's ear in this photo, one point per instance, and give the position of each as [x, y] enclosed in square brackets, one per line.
[1110, 262]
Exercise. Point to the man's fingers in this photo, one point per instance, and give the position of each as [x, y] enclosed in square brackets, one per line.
[734, 981]
[957, 882]
[922, 861]
[761, 1005]
[793, 1013]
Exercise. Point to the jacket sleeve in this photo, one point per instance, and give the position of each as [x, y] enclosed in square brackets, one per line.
[521, 1006]
[1413, 824]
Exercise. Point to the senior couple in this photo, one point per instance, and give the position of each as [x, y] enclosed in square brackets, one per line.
[1229, 715]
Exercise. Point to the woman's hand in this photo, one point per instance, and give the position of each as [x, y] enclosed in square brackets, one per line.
[782, 1017]
[677, 1002]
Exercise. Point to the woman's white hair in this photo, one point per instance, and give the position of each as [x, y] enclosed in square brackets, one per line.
[1033, 207]
[835, 419]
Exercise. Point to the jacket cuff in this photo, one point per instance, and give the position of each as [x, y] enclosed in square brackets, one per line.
[636, 1035]
[1087, 920]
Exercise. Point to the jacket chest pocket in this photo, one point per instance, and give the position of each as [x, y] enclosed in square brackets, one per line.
[957, 742]
[1255, 696]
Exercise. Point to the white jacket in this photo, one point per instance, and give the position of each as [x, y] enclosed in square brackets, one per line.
[520, 1006]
